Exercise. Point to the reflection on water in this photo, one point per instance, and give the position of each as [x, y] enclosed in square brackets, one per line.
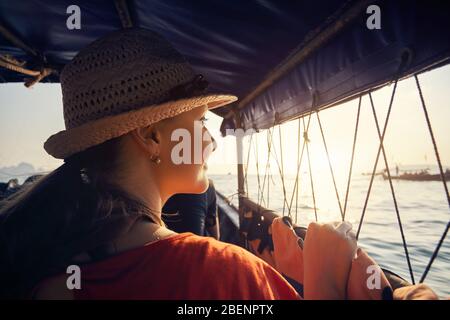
[423, 211]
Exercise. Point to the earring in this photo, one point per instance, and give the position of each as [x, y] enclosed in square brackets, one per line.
[156, 159]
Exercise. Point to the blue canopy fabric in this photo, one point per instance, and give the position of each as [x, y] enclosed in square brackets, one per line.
[414, 36]
[236, 44]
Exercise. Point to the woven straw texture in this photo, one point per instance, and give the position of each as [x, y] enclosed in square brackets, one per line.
[119, 83]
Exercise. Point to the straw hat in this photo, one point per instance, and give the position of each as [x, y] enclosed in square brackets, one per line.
[126, 80]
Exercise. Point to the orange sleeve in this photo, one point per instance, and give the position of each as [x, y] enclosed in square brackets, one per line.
[250, 278]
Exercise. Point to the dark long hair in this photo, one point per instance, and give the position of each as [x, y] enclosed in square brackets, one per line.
[66, 212]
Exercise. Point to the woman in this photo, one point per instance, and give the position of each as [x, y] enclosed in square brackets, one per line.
[125, 97]
[128, 100]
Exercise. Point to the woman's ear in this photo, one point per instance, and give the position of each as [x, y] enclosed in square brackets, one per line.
[148, 138]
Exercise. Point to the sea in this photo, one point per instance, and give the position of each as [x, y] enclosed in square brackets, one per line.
[423, 209]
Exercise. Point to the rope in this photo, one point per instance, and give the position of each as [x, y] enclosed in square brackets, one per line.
[10, 63]
[7, 63]
[351, 160]
[124, 13]
[261, 199]
[257, 167]
[267, 173]
[441, 171]
[405, 246]
[269, 146]
[44, 73]
[301, 157]
[436, 151]
[331, 167]
[247, 162]
[376, 160]
[310, 171]
[269, 179]
[280, 170]
[16, 41]
[10, 66]
[298, 159]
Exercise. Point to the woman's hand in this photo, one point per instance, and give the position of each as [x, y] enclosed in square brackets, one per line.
[328, 253]
[415, 292]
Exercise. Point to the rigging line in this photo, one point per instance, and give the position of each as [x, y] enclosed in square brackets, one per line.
[281, 177]
[301, 155]
[285, 203]
[123, 12]
[247, 163]
[298, 159]
[13, 39]
[263, 188]
[331, 167]
[353, 154]
[255, 149]
[405, 246]
[436, 151]
[269, 178]
[268, 172]
[435, 253]
[441, 171]
[376, 160]
[260, 200]
[310, 173]
[12, 64]
[269, 135]
[282, 171]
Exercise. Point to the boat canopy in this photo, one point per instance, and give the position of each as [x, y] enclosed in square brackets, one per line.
[281, 58]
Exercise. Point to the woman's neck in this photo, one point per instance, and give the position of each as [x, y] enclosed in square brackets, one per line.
[143, 187]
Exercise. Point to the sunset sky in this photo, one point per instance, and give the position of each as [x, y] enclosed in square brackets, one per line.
[29, 116]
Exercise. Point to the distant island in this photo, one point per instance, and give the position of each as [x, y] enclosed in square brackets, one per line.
[20, 171]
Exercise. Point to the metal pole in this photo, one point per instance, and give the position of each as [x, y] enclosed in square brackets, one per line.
[240, 163]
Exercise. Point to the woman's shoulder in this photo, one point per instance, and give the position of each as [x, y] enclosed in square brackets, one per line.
[218, 269]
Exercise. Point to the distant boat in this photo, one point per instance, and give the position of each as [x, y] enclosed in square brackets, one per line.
[420, 176]
[370, 173]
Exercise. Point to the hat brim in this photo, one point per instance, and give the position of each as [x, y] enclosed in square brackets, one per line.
[68, 142]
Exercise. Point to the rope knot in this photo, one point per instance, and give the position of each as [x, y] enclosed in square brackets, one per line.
[305, 136]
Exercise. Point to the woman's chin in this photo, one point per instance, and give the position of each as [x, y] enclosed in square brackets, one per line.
[200, 186]
[203, 184]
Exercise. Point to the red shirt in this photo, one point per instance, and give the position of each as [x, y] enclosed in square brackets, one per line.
[184, 266]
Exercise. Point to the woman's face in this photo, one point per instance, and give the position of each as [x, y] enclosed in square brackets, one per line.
[184, 149]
